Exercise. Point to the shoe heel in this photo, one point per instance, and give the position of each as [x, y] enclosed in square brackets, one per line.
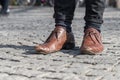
[68, 46]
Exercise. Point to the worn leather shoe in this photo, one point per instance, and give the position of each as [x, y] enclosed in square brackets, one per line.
[55, 42]
[92, 43]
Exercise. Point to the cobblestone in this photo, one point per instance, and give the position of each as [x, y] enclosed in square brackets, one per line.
[24, 28]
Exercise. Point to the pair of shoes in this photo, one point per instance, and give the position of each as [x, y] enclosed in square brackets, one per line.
[4, 13]
[61, 39]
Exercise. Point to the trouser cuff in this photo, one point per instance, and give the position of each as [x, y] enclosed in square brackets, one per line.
[67, 25]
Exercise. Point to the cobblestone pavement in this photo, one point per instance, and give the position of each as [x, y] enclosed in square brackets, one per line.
[23, 29]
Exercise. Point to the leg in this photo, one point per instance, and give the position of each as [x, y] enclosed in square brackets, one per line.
[64, 12]
[94, 13]
[61, 35]
[92, 42]
[1, 3]
[5, 4]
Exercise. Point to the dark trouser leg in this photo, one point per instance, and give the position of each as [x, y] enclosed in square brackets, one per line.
[1, 5]
[64, 12]
[94, 13]
[5, 4]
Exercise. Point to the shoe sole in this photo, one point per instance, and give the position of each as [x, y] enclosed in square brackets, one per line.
[89, 52]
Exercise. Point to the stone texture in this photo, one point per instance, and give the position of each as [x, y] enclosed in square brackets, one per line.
[24, 28]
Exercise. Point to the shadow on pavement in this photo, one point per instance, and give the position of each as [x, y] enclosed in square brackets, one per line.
[29, 50]
[73, 52]
[25, 48]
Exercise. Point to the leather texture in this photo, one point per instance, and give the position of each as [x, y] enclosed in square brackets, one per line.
[92, 43]
[58, 39]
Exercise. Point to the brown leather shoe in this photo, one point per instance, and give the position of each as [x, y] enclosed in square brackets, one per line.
[92, 43]
[55, 41]
[70, 43]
